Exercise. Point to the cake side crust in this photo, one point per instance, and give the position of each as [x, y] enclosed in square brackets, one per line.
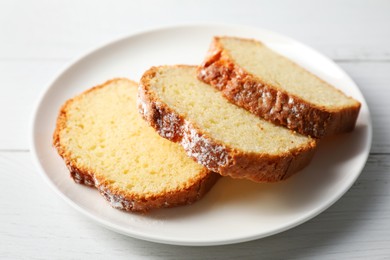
[270, 102]
[118, 198]
[211, 153]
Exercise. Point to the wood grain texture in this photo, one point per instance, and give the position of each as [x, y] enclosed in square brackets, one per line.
[348, 30]
[373, 80]
[38, 38]
[22, 83]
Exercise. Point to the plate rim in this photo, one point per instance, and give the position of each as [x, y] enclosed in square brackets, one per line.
[171, 241]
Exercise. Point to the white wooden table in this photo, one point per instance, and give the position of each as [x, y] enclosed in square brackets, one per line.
[38, 38]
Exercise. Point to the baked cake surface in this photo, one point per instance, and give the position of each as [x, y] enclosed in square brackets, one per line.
[254, 77]
[105, 143]
[221, 136]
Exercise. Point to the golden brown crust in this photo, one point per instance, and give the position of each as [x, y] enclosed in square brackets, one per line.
[214, 155]
[119, 198]
[269, 102]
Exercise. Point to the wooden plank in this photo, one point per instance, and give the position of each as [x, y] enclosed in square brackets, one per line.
[22, 82]
[36, 223]
[373, 80]
[342, 30]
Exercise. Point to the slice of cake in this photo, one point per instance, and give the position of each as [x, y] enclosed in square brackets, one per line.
[105, 143]
[271, 86]
[221, 136]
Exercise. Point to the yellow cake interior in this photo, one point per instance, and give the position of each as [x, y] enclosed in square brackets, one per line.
[213, 114]
[282, 73]
[105, 134]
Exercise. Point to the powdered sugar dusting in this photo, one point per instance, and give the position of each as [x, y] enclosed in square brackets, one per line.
[168, 123]
[115, 201]
[143, 108]
[79, 177]
[204, 150]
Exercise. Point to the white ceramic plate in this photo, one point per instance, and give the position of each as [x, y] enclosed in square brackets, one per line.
[234, 210]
